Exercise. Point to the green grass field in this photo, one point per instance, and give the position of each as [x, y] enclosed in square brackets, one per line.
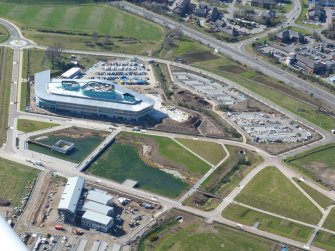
[270, 190]
[73, 26]
[27, 125]
[321, 199]
[325, 240]
[195, 234]
[212, 152]
[13, 180]
[315, 162]
[267, 223]
[3, 34]
[174, 152]
[6, 61]
[330, 221]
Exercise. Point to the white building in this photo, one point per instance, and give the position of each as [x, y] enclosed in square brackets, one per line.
[98, 208]
[100, 197]
[90, 98]
[68, 204]
[97, 221]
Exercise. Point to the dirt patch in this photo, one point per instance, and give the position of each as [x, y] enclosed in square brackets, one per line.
[75, 132]
[236, 69]
[154, 158]
[323, 173]
[190, 126]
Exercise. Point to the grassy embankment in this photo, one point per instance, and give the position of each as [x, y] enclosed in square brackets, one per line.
[6, 62]
[4, 35]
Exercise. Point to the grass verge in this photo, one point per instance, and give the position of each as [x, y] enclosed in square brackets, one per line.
[27, 125]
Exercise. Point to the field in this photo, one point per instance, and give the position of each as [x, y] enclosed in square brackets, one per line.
[325, 240]
[3, 34]
[330, 221]
[173, 152]
[270, 190]
[194, 234]
[121, 161]
[6, 61]
[212, 152]
[76, 23]
[317, 163]
[321, 199]
[14, 178]
[85, 141]
[26, 125]
[268, 223]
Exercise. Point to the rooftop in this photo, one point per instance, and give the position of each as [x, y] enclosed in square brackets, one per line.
[71, 194]
[96, 217]
[97, 207]
[99, 197]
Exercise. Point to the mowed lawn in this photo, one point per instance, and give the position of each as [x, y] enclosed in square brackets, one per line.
[27, 125]
[268, 223]
[319, 198]
[13, 180]
[271, 191]
[86, 18]
[325, 240]
[330, 221]
[195, 234]
[212, 152]
[174, 152]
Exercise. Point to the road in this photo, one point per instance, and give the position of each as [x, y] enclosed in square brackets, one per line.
[17, 42]
[235, 53]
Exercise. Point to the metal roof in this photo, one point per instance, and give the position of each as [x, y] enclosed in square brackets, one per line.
[71, 194]
[96, 217]
[100, 197]
[42, 81]
[69, 73]
[97, 207]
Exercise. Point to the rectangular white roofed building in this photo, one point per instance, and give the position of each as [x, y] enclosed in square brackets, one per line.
[68, 204]
[100, 197]
[98, 208]
[90, 98]
[97, 221]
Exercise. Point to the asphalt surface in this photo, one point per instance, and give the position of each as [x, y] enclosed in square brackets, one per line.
[68, 169]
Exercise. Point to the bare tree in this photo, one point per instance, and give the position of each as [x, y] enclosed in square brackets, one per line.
[53, 52]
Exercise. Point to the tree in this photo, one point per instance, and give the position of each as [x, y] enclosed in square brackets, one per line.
[53, 53]
[316, 36]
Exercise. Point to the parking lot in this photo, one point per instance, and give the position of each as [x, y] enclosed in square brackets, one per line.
[122, 71]
[269, 128]
[217, 92]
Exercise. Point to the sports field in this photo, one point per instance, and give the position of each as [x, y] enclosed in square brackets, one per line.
[14, 178]
[271, 191]
[267, 223]
[194, 234]
[212, 152]
[27, 125]
[6, 61]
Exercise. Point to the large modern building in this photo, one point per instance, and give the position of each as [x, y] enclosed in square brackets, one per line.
[67, 208]
[87, 97]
